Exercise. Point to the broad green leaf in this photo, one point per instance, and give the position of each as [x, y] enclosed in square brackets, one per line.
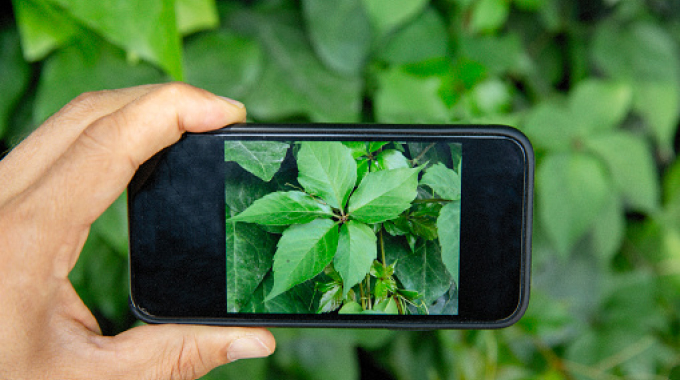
[573, 189]
[388, 306]
[351, 308]
[597, 105]
[549, 126]
[195, 15]
[630, 161]
[647, 57]
[283, 208]
[294, 82]
[387, 15]
[262, 158]
[327, 169]
[250, 254]
[405, 45]
[90, 64]
[303, 252]
[448, 229]
[16, 75]
[222, 63]
[375, 145]
[146, 28]
[42, 27]
[444, 181]
[405, 98]
[358, 148]
[497, 54]
[356, 251]
[383, 195]
[489, 15]
[390, 159]
[340, 32]
[422, 270]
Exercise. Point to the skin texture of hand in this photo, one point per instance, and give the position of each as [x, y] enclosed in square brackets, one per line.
[52, 188]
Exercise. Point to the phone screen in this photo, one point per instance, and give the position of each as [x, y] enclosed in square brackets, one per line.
[334, 225]
[347, 227]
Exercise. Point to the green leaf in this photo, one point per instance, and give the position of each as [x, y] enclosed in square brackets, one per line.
[383, 195]
[283, 208]
[89, 64]
[631, 164]
[250, 253]
[146, 28]
[448, 229]
[405, 45]
[303, 252]
[42, 27]
[405, 98]
[422, 271]
[646, 56]
[387, 15]
[356, 251]
[16, 75]
[489, 15]
[294, 301]
[195, 15]
[331, 299]
[390, 159]
[388, 306]
[327, 169]
[444, 181]
[358, 148]
[223, 63]
[351, 308]
[262, 158]
[609, 229]
[340, 32]
[285, 89]
[597, 105]
[549, 126]
[573, 189]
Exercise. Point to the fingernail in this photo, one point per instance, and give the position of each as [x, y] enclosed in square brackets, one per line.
[233, 102]
[247, 348]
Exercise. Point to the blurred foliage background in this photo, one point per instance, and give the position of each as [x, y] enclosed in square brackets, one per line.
[594, 84]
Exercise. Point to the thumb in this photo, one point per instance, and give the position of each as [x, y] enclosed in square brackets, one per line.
[184, 351]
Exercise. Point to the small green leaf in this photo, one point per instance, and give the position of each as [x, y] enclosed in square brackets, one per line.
[42, 28]
[331, 299]
[405, 98]
[250, 254]
[422, 270]
[405, 45]
[195, 15]
[390, 159]
[303, 252]
[572, 190]
[632, 167]
[489, 15]
[262, 158]
[386, 15]
[328, 170]
[351, 308]
[383, 195]
[358, 148]
[283, 208]
[549, 126]
[448, 229]
[223, 63]
[444, 181]
[356, 251]
[340, 32]
[597, 105]
[388, 306]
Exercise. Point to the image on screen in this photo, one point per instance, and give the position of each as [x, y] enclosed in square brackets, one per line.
[345, 227]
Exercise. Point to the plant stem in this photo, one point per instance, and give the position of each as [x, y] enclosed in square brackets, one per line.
[368, 295]
[417, 159]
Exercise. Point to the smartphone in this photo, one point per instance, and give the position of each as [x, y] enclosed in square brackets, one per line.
[326, 225]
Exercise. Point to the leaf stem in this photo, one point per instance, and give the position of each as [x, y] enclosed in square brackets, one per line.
[417, 159]
[382, 248]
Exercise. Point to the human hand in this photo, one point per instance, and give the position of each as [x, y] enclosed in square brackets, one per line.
[53, 187]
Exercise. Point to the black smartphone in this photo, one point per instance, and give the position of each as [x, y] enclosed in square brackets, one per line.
[327, 225]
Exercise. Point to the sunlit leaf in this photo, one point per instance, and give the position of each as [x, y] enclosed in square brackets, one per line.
[383, 195]
[356, 251]
[327, 170]
[283, 208]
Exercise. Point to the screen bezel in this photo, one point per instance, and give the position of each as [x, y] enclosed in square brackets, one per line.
[483, 284]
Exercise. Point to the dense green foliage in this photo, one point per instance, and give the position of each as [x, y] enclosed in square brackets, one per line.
[355, 232]
[594, 84]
